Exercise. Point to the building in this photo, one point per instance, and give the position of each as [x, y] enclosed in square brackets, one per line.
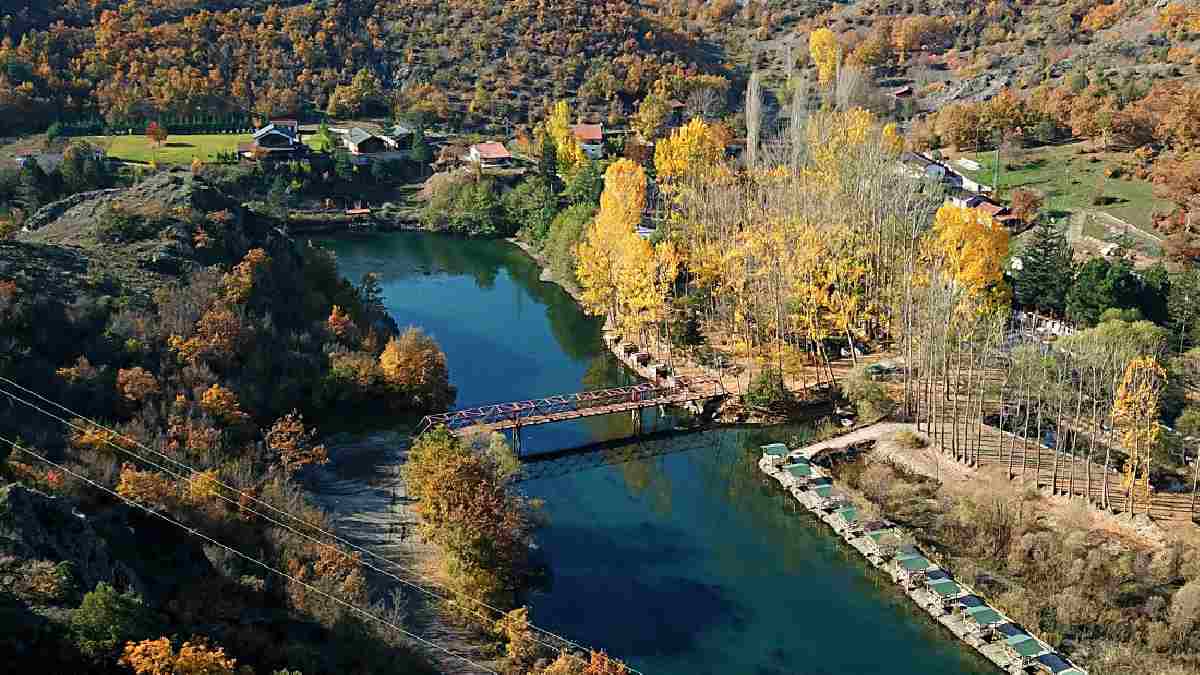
[280, 139]
[489, 155]
[591, 139]
[1023, 647]
[367, 148]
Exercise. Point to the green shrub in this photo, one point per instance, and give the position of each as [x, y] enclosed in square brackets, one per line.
[106, 620]
[767, 390]
[869, 397]
[120, 226]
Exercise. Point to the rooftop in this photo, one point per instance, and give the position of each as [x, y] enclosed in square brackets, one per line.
[491, 150]
[984, 616]
[776, 449]
[588, 133]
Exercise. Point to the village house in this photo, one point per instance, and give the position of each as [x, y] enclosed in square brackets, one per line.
[280, 139]
[367, 148]
[490, 155]
[591, 139]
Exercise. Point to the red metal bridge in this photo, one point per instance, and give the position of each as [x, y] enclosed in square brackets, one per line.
[518, 414]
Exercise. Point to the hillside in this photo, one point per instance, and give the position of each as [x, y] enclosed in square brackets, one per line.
[172, 58]
[200, 331]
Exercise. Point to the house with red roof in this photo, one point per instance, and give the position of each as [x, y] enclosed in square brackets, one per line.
[591, 139]
[489, 155]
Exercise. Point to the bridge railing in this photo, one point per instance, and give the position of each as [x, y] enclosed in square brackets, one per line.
[514, 412]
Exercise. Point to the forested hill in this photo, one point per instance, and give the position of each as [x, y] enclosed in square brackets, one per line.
[502, 58]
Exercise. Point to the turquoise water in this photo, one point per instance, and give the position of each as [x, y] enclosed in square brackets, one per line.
[683, 561]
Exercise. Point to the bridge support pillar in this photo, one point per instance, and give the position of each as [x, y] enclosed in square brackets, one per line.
[636, 416]
[517, 440]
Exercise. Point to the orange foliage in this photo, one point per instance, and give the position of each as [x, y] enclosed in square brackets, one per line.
[239, 282]
[1102, 16]
[91, 437]
[195, 657]
[293, 445]
[222, 404]
[219, 337]
[8, 293]
[136, 384]
[146, 487]
[340, 324]
[82, 371]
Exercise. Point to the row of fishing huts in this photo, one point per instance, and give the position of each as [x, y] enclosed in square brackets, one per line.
[947, 600]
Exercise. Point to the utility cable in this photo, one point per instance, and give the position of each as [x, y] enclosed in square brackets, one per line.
[193, 531]
[250, 497]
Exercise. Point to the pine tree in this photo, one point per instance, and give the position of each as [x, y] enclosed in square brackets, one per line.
[1046, 269]
[420, 152]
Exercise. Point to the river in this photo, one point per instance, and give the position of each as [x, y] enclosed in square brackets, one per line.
[681, 563]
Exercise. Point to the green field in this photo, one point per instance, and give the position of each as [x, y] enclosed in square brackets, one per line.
[177, 149]
[1068, 181]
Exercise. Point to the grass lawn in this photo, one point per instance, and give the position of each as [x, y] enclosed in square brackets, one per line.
[177, 150]
[1069, 181]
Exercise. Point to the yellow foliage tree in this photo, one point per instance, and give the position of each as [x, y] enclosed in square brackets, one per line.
[146, 487]
[971, 247]
[1135, 415]
[826, 53]
[892, 141]
[695, 149]
[414, 365]
[610, 237]
[569, 152]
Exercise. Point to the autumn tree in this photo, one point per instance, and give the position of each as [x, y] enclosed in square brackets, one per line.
[697, 149]
[223, 405]
[652, 113]
[415, 367]
[194, 657]
[568, 152]
[609, 236]
[971, 248]
[136, 384]
[1136, 418]
[156, 133]
[468, 511]
[826, 54]
[1025, 204]
[292, 446]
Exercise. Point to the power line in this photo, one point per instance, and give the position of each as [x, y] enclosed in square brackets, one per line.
[193, 531]
[250, 497]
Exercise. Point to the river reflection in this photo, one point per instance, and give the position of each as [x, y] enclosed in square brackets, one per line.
[687, 562]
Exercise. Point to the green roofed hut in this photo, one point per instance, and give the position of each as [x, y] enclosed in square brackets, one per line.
[775, 453]
[849, 517]
[799, 470]
[913, 567]
[984, 616]
[945, 590]
[1024, 646]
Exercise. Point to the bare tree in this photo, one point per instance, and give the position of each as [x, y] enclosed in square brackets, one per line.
[753, 119]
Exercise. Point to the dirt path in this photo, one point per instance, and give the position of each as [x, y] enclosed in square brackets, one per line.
[368, 505]
[960, 480]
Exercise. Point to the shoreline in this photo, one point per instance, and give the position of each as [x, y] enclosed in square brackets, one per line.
[933, 589]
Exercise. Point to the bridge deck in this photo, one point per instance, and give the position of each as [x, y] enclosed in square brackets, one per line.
[503, 416]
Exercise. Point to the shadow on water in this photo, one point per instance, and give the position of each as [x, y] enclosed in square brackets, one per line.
[678, 557]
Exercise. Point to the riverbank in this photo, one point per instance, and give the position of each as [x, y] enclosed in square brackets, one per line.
[949, 602]
[367, 501]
